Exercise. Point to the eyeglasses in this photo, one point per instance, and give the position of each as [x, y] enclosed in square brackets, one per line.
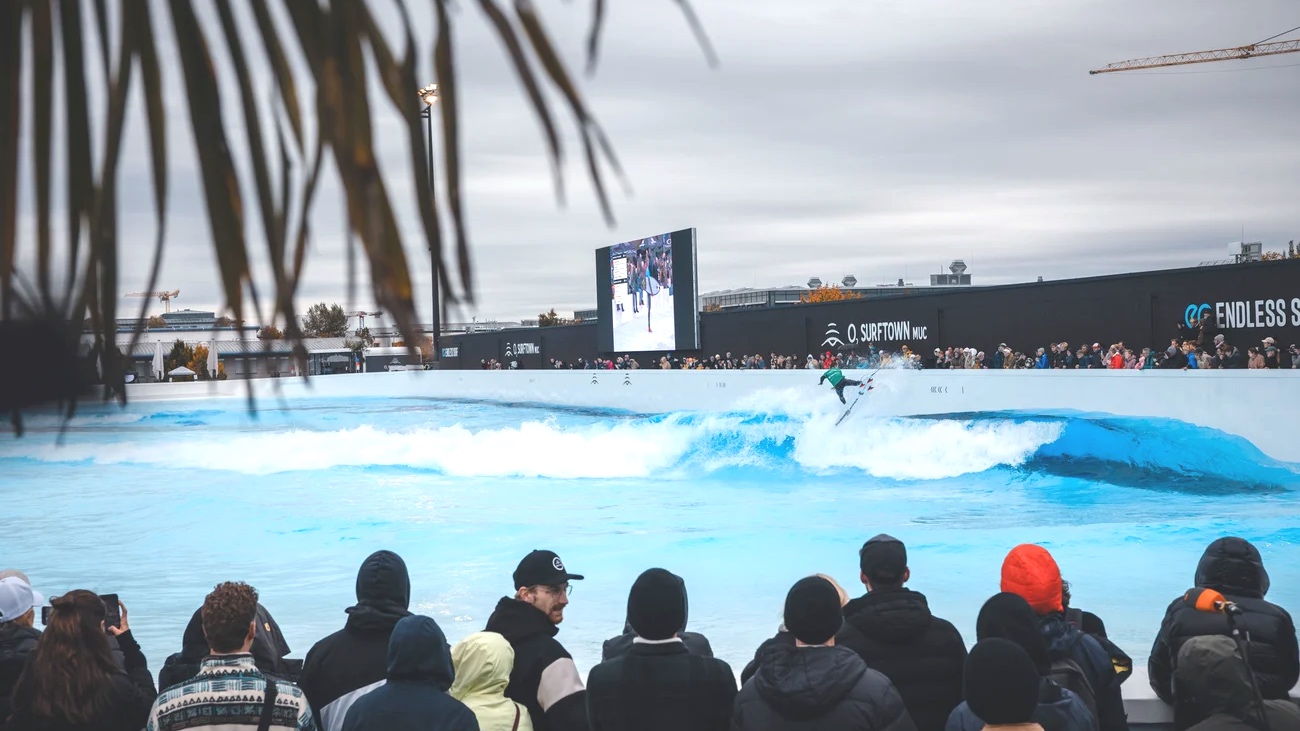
[565, 589]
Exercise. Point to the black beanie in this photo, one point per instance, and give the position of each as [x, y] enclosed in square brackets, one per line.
[1001, 683]
[656, 606]
[812, 611]
[1010, 617]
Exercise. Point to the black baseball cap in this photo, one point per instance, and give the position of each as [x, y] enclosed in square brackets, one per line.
[542, 568]
[884, 559]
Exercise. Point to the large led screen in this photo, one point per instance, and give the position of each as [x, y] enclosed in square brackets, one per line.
[646, 299]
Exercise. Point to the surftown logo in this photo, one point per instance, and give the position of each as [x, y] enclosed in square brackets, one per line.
[873, 332]
[513, 349]
[1276, 312]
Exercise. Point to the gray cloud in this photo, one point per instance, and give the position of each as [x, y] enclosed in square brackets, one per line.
[840, 137]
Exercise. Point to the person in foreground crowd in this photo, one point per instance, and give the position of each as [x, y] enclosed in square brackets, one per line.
[1215, 679]
[814, 684]
[71, 681]
[1030, 572]
[696, 643]
[269, 651]
[544, 679]
[229, 691]
[18, 634]
[1002, 685]
[483, 662]
[354, 661]
[783, 636]
[658, 683]
[414, 697]
[1009, 617]
[1234, 568]
[892, 630]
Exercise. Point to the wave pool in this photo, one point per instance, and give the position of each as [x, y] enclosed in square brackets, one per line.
[160, 501]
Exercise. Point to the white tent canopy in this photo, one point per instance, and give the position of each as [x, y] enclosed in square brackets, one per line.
[182, 371]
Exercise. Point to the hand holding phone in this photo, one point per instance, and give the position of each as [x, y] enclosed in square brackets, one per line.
[115, 617]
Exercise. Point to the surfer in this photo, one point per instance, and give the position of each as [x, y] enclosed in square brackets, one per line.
[838, 382]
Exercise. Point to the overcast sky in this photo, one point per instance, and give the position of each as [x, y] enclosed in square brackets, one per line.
[879, 138]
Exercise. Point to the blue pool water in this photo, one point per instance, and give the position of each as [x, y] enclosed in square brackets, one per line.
[160, 501]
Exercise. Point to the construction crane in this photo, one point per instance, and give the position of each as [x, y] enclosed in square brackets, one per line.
[1254, 50]
[361, 316]
[163, 297]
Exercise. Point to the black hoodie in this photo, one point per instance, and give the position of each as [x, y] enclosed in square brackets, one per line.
[544, 679]
[822, 688]
[893, 631]
[1233, 567]
[353, 661]
[269, 651]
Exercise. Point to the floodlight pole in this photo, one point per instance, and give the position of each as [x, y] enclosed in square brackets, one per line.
[429, 95]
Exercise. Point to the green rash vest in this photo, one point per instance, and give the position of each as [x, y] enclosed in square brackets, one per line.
[834, 376]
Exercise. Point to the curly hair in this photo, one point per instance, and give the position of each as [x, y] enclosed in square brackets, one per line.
[227, 612]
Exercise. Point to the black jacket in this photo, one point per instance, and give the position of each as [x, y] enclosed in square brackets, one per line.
[922, 655]
[617, 646]
[782, 638]
[133, 695]
[1058, 710]
[1214, 675]
[1065, 641]
[414, 697]
[544, 678]
[269, 650]
[351, 662]
[1232, 567]
[660, 686]
[821, 688]
[16, 643]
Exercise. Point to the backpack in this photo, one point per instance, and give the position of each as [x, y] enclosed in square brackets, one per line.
[1067, 674]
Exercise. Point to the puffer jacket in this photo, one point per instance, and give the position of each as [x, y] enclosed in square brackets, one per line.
[414, 697]
[1232, 567]
[354, 661]
[483, 662]
[544, 679]
[893, 631]
[1058, 710]
[1065, 641]
[818, 688]
[1215, 679]
[16, 643]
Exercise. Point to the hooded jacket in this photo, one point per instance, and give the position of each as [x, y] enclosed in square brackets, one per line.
[1232, 567]
[893, 631]
[414, 698]
[269, 651]
[16, 643]
[483, 662]
[544, 679]
[1213, 673]
[1058, 710]
[354, 661]
[821, 688]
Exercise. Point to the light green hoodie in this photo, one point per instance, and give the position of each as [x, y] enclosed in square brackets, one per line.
[483, 662]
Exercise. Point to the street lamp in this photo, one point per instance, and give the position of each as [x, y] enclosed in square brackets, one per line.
[429, 95]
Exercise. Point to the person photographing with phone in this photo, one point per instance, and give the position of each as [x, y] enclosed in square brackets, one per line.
[71, 681]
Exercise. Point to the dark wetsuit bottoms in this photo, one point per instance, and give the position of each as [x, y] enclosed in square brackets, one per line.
[843, 384]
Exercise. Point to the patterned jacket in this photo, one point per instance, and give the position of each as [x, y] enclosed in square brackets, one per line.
[228, 693]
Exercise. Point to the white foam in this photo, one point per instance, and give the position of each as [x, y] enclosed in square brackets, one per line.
[676, 445]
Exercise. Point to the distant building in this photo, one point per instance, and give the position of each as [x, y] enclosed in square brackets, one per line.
[730, 299]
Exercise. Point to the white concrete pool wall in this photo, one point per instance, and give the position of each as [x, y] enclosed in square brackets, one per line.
[1259, 405]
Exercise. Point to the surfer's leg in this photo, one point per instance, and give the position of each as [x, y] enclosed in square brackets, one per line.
[839, 391]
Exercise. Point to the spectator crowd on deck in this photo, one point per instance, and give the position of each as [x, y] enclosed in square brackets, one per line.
[1224, 657]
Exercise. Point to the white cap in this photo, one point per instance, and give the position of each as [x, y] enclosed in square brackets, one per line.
[17, 598]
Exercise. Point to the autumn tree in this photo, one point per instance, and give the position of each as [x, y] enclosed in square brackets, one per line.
[325, 321]
[155, 322]
[270, 332]
[180, 355]
[199, 362]
[828, 293]
[548, 319]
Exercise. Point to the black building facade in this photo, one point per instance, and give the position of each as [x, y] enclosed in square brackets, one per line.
[1249, 302]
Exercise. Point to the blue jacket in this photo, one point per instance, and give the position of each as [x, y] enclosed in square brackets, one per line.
[1066, 640]
[1043, 362]
[1058, 710]
[414, 698]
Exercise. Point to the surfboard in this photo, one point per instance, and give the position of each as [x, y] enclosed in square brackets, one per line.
[861, 391]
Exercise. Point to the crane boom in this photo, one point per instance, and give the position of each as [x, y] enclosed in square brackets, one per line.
[1224, 54]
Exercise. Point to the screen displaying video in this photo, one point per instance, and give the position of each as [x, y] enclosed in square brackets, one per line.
[647, 300]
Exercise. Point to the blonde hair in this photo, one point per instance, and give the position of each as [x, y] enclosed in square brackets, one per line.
[844, 595]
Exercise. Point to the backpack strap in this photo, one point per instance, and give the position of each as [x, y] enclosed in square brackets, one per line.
[515, 727]
[268, 704]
